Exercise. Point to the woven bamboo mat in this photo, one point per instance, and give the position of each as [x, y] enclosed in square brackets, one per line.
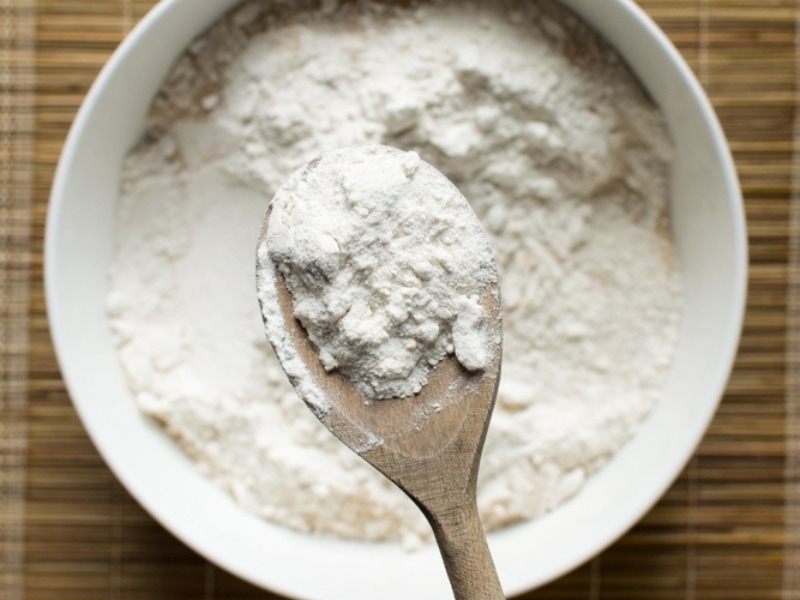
[729, 528]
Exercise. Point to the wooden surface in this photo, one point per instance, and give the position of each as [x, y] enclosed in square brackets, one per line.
[729, 528]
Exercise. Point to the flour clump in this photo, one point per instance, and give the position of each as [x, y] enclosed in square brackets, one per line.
[537, 122]
[385, 262]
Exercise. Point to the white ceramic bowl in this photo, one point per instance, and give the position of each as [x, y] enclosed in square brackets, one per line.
[709, 228]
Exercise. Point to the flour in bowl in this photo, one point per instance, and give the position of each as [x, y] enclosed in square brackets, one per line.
[540, 126]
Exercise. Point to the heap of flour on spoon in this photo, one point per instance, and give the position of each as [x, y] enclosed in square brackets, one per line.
[385, 263]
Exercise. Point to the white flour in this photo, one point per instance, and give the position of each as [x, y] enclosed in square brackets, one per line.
[561, 156]
[385, 262]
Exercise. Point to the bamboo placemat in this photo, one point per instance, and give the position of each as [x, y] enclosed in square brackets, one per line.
[729, 528]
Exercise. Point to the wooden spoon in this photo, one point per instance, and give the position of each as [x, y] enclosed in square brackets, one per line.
[429, 444]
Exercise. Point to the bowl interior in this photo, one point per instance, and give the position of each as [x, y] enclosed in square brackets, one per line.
[708, 225]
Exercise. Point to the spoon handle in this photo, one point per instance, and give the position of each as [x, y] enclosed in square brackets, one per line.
[465, 552]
